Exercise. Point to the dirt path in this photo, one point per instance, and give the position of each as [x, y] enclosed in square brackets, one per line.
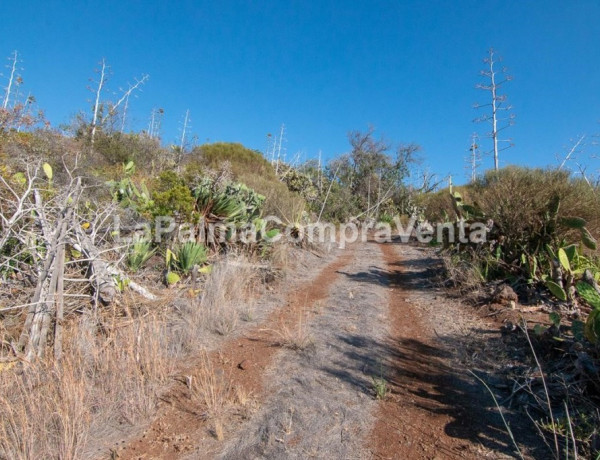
[436, 410]
[179, 427]
[371, 313]
[320, 402]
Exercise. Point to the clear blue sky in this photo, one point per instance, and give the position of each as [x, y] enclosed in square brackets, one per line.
[323, 68]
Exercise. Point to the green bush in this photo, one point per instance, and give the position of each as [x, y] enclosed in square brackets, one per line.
[121, 147]
[172, 197]
[241, 160]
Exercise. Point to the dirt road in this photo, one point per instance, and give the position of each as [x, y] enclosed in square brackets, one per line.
[369, 319]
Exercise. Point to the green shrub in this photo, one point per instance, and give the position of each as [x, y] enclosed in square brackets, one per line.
[519, 201]
[241, 160]
[172, 197]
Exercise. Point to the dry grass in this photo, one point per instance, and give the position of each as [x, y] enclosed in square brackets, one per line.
[227, 295]
[56, 409]
[44, 412]
[114, 368]
[296, 337]
[211, 389]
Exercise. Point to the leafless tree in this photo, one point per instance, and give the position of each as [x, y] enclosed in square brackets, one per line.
[125, 98]
[12, 79]
[98, 92]
[111, 109]
[494, 80]
[155, 122]
[474, 158]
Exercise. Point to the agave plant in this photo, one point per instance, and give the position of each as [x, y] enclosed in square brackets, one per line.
[187, 256]
[233, 203]
[138, 254]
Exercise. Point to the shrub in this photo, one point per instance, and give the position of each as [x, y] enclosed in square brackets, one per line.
[517, 199]
[535, 214]
[116, 148]
[243, 161]
[172, 197]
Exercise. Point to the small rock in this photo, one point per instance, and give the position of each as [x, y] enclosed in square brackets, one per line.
[245, 364]
[504, 294]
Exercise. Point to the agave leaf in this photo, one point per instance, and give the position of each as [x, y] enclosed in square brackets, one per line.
[556, 290]
[170, 258]
[191, 254]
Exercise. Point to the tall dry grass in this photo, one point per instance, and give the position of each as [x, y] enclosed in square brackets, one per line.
[226, 298]
[113, 370]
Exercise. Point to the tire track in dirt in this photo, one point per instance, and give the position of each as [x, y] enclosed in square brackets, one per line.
[435, 410]
[178, 426]
[320, 400]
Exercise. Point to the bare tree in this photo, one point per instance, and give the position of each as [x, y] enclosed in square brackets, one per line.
[181, 148]
[573, 151]
[12, 79]
[96, 108]
[184, 130]
[474, 158]
[155, 122]
[278, 147]
[494, 81]
[125, 98]
[110, 109]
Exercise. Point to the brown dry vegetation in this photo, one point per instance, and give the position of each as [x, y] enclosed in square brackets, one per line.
[115, 367]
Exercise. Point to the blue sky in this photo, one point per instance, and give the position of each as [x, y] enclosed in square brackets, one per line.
[323, 68]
